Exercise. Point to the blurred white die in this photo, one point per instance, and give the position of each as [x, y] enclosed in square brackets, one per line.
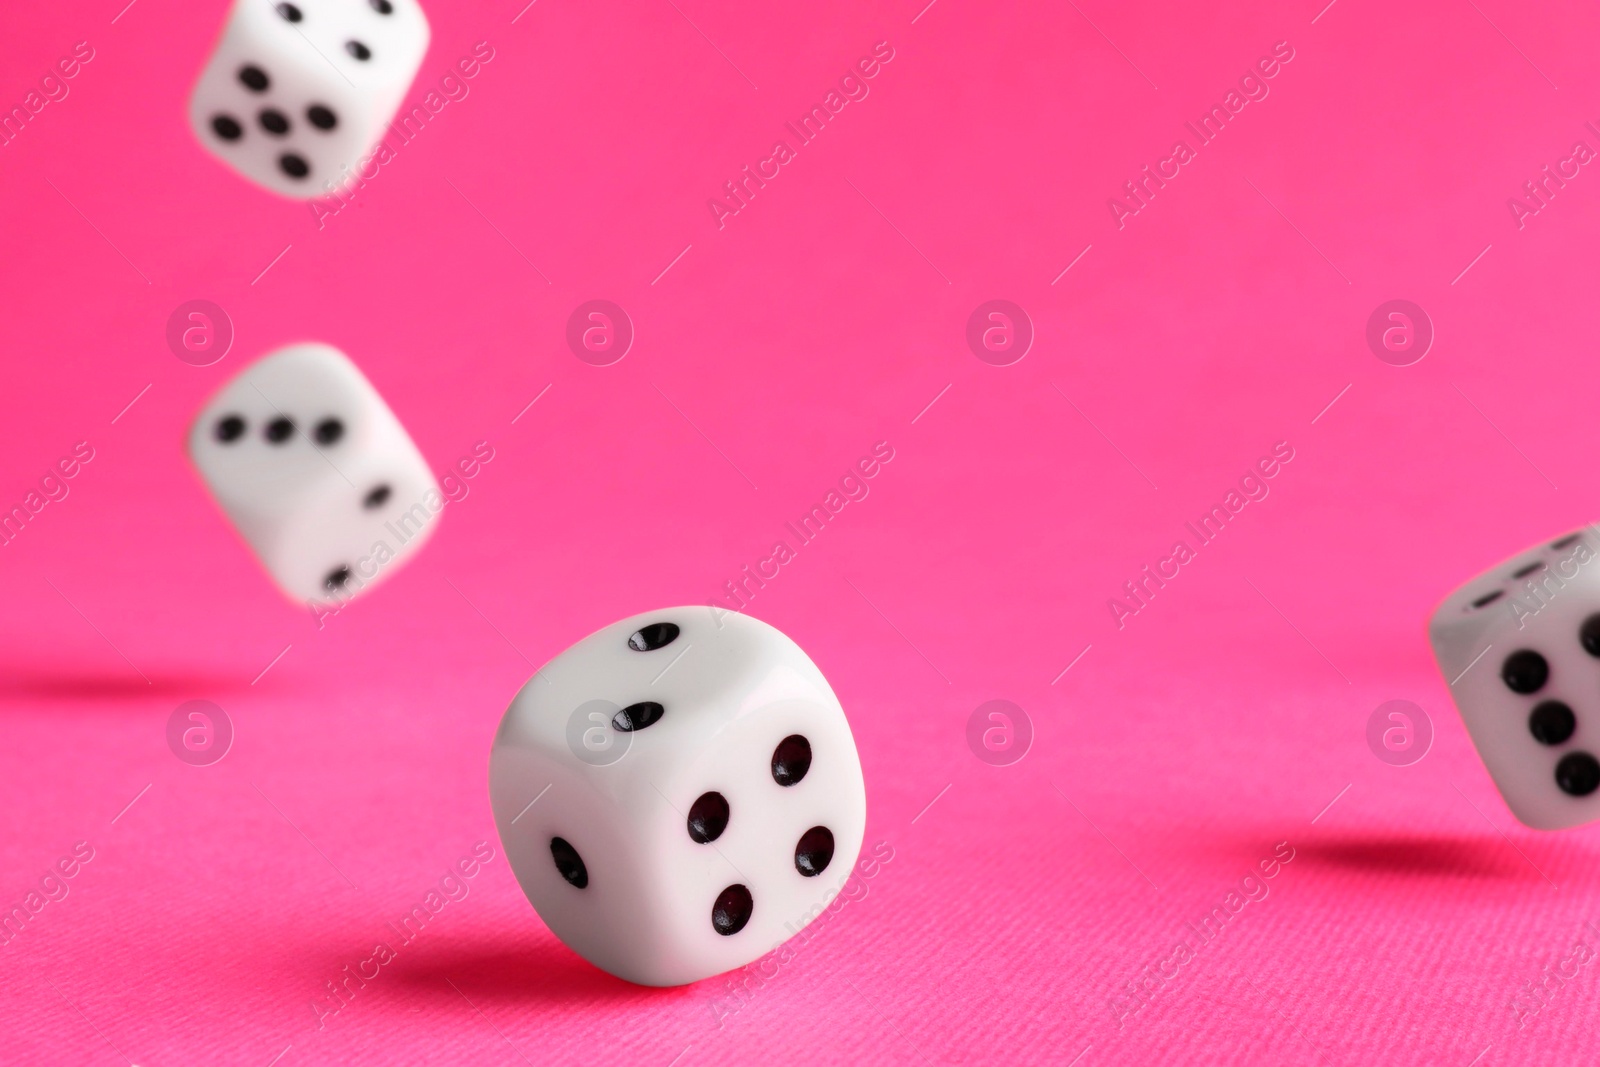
[1520, 647]
[296, 93]
[678, 794]
[315, 472]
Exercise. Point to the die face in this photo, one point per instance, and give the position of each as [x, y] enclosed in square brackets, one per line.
[316, 473]
[697, 859]
[296, 93]
[538, 801]
[1521, 646]
[792, 847]
[258, 464]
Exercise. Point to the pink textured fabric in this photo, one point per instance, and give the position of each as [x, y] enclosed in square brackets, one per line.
[1023, 913]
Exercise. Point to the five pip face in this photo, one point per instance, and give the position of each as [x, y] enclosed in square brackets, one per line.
[1520, 647]
[315, 472]
[297, 92]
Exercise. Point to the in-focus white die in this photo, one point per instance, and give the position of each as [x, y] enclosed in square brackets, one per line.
[1520, 648]
[298, 92]
[678, 794]
[316, 472]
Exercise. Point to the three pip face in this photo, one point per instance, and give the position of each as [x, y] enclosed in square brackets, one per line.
[315, 472]
[1520, 647]
[678, 794]
[298, 91]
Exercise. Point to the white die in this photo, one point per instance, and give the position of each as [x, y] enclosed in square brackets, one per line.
[296, 93]
[1520, 648]
[671, 850]
[315, 472]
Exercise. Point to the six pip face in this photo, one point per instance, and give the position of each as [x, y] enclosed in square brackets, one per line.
[297, 92]
[315, 472]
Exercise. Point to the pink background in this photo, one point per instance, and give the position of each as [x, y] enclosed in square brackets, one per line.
[1171, 758]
